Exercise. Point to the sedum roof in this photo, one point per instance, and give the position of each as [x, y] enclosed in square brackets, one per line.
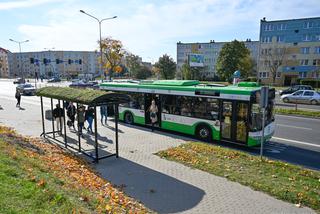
[83, 96]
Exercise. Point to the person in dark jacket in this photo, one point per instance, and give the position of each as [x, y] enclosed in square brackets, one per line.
[58, 114]
[81, 118]
[104, 114]
[18, 97]
[71, 113]
[89, 117]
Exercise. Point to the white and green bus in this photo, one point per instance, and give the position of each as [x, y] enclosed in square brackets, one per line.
[209, 112]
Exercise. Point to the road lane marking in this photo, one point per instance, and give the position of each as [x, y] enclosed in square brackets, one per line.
[305, 118]
[296, 127]
[295, 141]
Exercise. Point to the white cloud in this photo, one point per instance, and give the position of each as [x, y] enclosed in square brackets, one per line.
[151, 30]
[21, 4]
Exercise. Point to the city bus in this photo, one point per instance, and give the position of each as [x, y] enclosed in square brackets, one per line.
[210, 112]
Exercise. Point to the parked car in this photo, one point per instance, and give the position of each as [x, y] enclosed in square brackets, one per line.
[26, 89]
[54, 79]
[302, 96]
[295, 88]
[81, 84]
[19, 81]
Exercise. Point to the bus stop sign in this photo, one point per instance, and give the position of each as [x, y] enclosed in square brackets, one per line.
[264, 96]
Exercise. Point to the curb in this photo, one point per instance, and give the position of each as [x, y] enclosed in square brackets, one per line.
[298, 115]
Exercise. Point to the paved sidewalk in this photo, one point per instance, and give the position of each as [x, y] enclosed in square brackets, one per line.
[164, 186]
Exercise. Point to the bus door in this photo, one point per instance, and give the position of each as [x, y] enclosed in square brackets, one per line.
[148, 99]
[234, 118]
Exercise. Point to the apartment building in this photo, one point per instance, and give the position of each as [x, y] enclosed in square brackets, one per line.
[53, 63]
[4, 65]
[210, 52]
[289, 50]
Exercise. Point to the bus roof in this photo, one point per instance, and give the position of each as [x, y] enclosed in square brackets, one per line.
[184, 85]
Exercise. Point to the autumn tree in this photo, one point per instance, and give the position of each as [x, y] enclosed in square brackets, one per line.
[234, 56]
[113, 53]
[272, 58]
[166, 67]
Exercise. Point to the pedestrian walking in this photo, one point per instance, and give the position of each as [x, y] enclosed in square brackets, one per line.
[18, 97]
[153, 109]
[71, 113]
[104, 114]
[81, 118]
[89, 118]
[58, 114]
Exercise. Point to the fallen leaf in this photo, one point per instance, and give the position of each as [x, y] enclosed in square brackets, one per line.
[298, 205]
[41, 183]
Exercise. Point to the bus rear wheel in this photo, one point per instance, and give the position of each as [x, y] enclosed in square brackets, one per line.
[203, 132]
[128, 118]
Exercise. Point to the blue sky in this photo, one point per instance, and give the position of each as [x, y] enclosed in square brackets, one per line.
[146, 28]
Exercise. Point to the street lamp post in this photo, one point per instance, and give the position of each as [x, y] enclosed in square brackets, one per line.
[99, 21]
[20, 42]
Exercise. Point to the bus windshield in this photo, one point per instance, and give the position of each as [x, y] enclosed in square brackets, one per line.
[256, 113]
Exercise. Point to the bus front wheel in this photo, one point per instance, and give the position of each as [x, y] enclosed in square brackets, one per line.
[128, 118]
[203, 132]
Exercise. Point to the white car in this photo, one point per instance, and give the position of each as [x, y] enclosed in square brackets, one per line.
[26, 89]
[302, 96]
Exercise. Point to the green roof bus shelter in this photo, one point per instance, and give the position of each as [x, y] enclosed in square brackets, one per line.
[90, 97]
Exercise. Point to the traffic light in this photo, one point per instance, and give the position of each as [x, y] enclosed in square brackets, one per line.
[80, 61]
[57, 61]
[32, 60]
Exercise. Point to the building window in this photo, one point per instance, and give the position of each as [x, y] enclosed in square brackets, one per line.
[282, 26]
[307, 25]
[305, 50]
[304, 62]
[316, 62]
[267, 39]
[306, 37]
[280, 38]
[302, 74]
[317, 50]
[315, 75]
[268, 27]
[264, 74]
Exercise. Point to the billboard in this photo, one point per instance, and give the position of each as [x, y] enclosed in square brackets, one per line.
[196, 60]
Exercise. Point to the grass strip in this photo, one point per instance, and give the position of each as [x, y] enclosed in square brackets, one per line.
[38, 177]
[297, 112]
[282, 180]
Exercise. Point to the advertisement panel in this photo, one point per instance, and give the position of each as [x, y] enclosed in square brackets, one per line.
[196, 60]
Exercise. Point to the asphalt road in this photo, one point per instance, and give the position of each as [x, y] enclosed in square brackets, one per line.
[296, 140]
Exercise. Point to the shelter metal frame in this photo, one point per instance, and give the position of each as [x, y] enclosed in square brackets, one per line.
[108, 99]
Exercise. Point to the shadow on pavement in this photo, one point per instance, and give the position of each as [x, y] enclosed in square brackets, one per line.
[158, 191]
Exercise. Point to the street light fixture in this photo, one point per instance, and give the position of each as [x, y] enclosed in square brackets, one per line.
[19, 42]
[99, 21]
